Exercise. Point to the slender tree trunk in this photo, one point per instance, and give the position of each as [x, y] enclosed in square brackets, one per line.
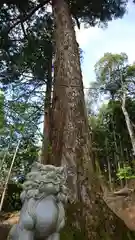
[128, 123]
[115, 145]
[8, 176]
[88, 215]
[122, 157]
[109, 166]
[47, 113]
[116, 153]
[109, 174]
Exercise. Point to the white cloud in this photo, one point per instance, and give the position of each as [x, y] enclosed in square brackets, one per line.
[118, 37]
[84, 34]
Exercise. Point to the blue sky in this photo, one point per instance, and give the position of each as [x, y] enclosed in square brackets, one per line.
[118, 37]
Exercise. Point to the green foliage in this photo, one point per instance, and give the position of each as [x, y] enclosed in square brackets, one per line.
[110, 138]
[91, 12]
[25, 54]
[113, 73]
[110, 134]
[125, 173]
[109, 63]
[12, 199]
[26, 50]
[21, 121]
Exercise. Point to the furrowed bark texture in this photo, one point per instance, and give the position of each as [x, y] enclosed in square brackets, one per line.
[88, 217]
[47, 115]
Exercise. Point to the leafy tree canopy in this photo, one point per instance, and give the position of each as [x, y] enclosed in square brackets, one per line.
[91, 12]
[113, 73]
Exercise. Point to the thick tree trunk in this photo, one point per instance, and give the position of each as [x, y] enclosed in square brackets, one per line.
[88, 215]
[128, 123]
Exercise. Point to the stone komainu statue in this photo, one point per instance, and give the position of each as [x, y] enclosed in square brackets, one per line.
[43, 197]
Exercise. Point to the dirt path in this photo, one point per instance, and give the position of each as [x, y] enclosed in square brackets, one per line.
[123, 207]
[6, 221]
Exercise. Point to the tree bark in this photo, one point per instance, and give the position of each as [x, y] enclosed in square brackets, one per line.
[47, 115]
[128, 123]
[88, 217]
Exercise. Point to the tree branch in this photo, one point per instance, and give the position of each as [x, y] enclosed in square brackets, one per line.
[77, 21]
[124, 100]
[22, 26]
[24, 18]
[124, 192]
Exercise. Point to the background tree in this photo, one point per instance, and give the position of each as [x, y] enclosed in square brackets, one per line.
[117, 77]
[15, 129]
[27, 59]
[110, 132]
[111, 145]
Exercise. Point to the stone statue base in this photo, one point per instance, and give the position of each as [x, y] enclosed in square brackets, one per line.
[43, 197]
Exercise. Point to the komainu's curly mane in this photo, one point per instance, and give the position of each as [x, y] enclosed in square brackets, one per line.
[45, 180]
